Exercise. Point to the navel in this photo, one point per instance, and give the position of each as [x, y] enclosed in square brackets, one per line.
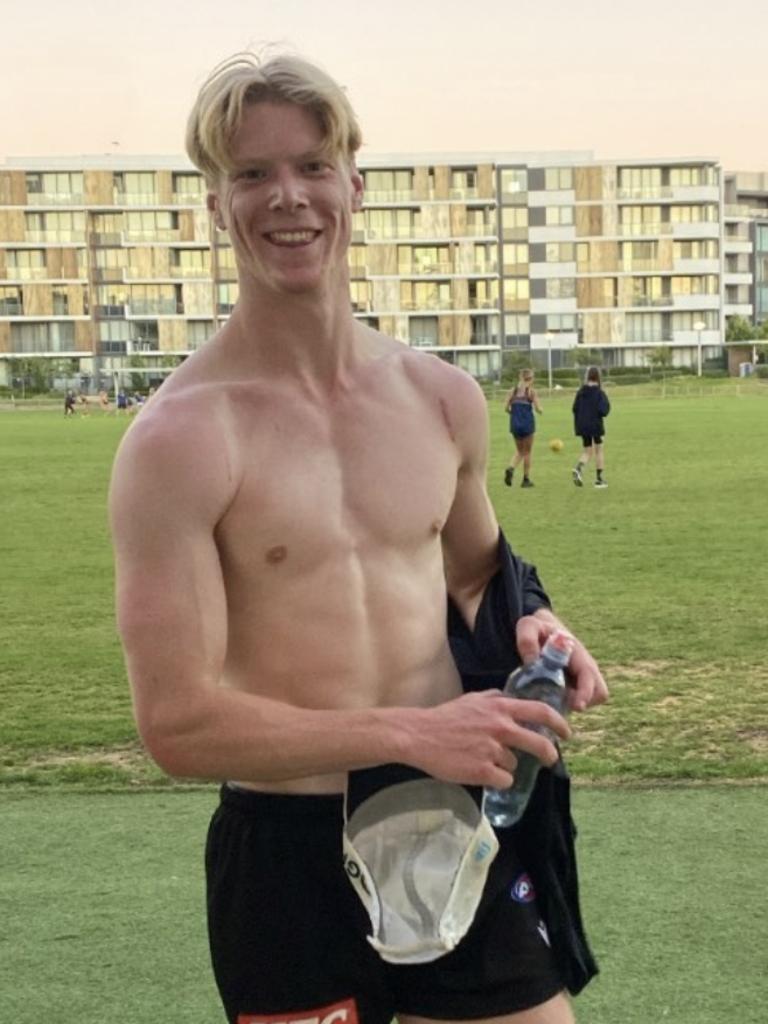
[277, 554]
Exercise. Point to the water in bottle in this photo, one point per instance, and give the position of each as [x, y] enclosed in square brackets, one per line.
[543, 679]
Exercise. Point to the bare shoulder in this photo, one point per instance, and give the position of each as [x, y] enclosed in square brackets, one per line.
[178, 451]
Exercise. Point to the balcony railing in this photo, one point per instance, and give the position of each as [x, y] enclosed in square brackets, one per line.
[55, 199]
[136, 198]
[154, 307]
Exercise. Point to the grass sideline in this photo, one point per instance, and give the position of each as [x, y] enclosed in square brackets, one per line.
[114, 928]
[664, 575]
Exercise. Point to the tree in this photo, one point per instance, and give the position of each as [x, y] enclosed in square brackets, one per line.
[739, 328]
[660, 358]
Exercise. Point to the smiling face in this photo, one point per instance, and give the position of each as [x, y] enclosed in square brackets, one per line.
[287, 204]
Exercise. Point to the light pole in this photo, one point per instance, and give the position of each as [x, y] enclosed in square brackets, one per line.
[550, 337]
[699, 326]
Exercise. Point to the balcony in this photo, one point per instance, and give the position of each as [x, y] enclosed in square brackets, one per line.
[55, 199]
[189, 198]
[136, 198]
[153, 307]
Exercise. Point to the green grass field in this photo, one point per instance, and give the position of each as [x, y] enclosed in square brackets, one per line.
[664, 575]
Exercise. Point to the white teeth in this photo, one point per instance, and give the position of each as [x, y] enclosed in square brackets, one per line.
[292, 236]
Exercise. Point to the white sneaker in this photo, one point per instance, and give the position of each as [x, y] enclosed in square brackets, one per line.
[577, 477]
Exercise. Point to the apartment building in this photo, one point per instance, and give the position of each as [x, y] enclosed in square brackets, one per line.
[468, 256]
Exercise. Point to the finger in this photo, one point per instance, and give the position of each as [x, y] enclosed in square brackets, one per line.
[536, 713]
[528, 635]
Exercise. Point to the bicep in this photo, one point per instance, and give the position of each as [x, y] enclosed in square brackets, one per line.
[171, 604]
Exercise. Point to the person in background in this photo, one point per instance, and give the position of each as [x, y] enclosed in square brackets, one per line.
[590, 406]
[520, 404]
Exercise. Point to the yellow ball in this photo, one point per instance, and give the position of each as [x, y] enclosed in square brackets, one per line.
[556, 445]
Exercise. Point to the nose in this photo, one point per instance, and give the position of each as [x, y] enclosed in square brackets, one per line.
[288, 192]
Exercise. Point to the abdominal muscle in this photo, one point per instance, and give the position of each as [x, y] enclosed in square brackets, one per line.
[343, 636]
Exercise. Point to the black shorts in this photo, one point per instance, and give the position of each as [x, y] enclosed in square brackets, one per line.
[288, 932]
[589, 439]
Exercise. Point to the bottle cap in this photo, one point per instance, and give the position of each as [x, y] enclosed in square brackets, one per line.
[561, 641]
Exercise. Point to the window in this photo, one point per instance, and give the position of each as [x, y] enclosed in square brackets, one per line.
[515, 258]
[517, 328]
[561, 322]
[640, 182]
[693, 214]
[516, 294]
[559, 215]
[55, 187]
[560, 288]
[154, 300]
[388, 186]
[227, 297]
[560, 252]
[26, 264]
[686, 176]
[641, 220]
[43, 337]
[463, 183]
[198, 332]
[189, 188]
[423, 331]
[360, 296]
[60, 302]
[191, 262]
[644, 328]
[557, 178]
[483, 294]
[514, 185]
[696, 249]
[10, 302]
[114, 330]
[57, 226]
[514, 222]
[418, 295]
[135, 187]
[151, 226]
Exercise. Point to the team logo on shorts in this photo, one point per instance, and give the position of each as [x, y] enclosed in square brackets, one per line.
[522, 889]
[337, 1013]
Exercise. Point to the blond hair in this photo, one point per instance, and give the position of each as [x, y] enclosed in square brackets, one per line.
[244, 79]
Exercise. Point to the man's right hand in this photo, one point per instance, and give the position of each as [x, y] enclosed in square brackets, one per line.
[470, 739]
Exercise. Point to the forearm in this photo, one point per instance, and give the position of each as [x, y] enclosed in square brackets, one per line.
[228, 734]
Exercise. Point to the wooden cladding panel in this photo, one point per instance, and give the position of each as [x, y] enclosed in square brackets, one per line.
[460, 293]
[172, 335]
[665, 259]
[3, 265]
[421, 182]
[462, 330]
[589, 221]
[12, 227]
[197, 298]
[75, 299]
[382, 259]
[83, 336]
[186, 226]
[164, 186]
[38, 300]
[445, 330]
[458, 220]
[99, 188]
[386, 295]
[442, 182]
[13, 188]
[486, 181]
[588, 183]
[5, 336]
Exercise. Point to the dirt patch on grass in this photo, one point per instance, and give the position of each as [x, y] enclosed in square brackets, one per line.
[128, 758]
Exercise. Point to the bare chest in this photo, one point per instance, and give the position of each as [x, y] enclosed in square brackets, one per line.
[358, 479]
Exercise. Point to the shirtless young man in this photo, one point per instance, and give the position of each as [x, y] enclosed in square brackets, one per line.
[289, 514]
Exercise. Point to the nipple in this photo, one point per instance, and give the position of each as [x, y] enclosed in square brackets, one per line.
[277, 554]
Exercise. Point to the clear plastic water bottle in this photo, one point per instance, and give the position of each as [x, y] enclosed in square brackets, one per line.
[543, 679]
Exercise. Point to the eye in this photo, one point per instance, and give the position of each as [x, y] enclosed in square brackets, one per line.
[315, 167]
[252, 174]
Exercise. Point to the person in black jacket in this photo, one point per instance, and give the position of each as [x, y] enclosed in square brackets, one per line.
[589, 407]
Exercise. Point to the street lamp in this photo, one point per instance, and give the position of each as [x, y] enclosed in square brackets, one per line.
[699, 326]
[550, 337]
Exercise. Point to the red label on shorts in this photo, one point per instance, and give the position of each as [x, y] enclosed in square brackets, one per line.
[337, 1013]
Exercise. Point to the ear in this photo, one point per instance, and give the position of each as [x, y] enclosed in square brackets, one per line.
[357, 189]
[212, 202]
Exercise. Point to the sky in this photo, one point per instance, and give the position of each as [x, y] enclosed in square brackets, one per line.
[651, 78]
